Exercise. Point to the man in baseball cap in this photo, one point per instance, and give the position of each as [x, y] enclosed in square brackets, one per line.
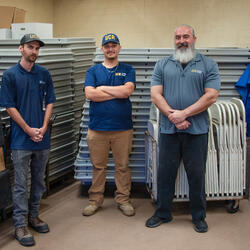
[27, 93]
[108, 86]
[27, 38]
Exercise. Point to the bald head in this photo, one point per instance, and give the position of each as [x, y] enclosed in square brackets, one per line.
[188, 27]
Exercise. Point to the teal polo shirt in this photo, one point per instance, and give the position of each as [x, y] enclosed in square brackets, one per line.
[183, 87]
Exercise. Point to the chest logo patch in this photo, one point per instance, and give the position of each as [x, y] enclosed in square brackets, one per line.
[120, 74]
[196, 71]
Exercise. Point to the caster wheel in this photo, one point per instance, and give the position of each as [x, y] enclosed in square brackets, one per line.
[232, 206]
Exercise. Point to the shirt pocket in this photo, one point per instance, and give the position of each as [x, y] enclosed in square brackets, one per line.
[119, 79]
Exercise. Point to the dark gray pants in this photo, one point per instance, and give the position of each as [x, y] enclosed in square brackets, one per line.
[193, 150]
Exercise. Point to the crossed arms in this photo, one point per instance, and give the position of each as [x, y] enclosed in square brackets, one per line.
[105, 93]
[178, 117]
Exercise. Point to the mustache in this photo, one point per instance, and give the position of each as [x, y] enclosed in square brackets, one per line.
[185, 45]
[182, 45]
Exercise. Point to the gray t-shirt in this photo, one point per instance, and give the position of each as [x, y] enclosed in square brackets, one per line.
[183, 87]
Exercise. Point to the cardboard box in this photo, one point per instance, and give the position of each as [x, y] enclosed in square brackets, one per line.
[19, 16]
[5, 34]
[43, 30]
[9, 15]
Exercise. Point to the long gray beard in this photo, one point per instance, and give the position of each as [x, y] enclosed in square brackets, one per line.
[184, 56]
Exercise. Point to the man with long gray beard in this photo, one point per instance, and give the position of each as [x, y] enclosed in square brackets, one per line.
[183, 86]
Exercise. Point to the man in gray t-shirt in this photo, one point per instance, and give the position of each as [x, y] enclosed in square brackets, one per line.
[183, 86]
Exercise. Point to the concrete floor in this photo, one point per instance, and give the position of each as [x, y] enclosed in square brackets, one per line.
[108, 229]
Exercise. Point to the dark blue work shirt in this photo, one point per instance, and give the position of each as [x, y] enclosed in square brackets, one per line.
[29, 93]
[111, 115]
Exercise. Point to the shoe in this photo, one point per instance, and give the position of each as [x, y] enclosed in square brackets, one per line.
[127, 209]
[156, 221]
[90, 210]
[38, 225]
[24, 237]
[200, 226]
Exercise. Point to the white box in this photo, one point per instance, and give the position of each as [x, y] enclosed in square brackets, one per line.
[43, 30]
[5, 34]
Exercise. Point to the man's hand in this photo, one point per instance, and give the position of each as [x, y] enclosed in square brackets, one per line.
[43, 130]
[35, 134]
[177, 116]
[183, 125]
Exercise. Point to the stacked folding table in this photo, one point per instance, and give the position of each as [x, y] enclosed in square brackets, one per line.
[67, 60]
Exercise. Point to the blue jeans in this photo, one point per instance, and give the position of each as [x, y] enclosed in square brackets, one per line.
[23, 160]
[193, 150]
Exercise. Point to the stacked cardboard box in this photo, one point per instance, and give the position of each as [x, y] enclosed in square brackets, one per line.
[9, 15]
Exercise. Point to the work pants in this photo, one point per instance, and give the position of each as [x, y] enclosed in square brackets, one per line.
[100, 143]
[193, 150]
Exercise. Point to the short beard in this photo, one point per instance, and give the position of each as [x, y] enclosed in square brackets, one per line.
[32, 60]
[184, 55]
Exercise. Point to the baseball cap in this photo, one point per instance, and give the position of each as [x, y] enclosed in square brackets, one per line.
[27, 38]
[110, 37]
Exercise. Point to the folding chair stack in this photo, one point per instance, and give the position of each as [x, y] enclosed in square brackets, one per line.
[226, 159]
